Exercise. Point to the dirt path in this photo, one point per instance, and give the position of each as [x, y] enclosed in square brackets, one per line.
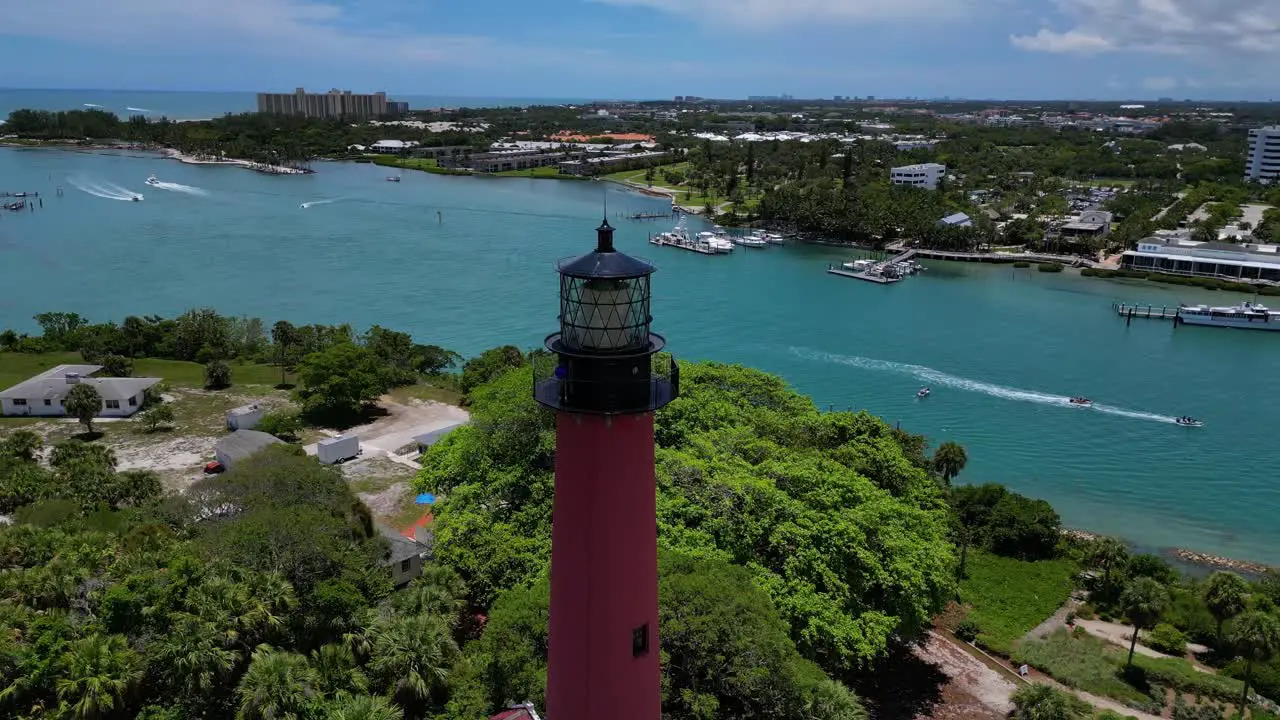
[403, 422]
[1055, 621]
[984, 690]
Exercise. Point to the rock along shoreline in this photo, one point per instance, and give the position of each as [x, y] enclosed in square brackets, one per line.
[1192, 557]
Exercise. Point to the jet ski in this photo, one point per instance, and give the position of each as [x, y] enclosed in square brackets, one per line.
[1081, 401]
[923, 393]
[152, 180]
[136, 198]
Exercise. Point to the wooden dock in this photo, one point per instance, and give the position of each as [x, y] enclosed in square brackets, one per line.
[928, 254]
[690, 246]
[1130, 311]
[878, 279]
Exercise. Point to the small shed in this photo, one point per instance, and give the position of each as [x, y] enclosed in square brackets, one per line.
[240, 445]
[406, 557]
[427, 439]
[245, 417]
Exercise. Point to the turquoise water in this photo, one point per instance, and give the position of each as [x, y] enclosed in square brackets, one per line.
[1001, 348]
[196, 105]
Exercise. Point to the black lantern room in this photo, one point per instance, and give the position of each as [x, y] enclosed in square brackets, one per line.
[604, 353]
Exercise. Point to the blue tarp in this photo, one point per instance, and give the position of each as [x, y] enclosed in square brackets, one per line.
[426, 499]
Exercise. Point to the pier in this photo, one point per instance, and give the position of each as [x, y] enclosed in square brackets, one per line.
[875, 277]
[1130, 311]
[910, 253]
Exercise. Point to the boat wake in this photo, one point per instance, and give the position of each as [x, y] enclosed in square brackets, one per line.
[179, 187]
[109, 191]
[306, 205]
[937, 378]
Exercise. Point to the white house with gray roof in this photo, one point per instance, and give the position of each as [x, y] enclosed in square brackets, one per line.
[42, 395]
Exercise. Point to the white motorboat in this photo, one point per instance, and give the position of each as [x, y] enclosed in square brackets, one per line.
[393, 178]
[715, 242]
[153, 180]
[136, 198]
[1188, 421]
[858, 265]
[923, 393]
[1246, 315]
[751, 241]
[1081, 402]
[774, 239]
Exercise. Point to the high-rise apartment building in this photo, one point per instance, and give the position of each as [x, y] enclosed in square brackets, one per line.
[1263, 163]
[333, 104]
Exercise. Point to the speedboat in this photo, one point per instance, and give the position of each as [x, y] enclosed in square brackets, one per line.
[136, 198]
[1081, 401]
[1188, 421]
[152, 180]
[393, 178]
[923, 393]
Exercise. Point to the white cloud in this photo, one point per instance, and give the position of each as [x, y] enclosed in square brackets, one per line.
[766, 14]
[1190, 27]
[1072, 41]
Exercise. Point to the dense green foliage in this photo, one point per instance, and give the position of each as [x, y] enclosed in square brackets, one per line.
[834, 514]
[1038, 701]
[993, 517]
[1010, 597]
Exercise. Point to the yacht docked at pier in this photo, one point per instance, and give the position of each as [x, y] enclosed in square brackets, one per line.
[1246, 315]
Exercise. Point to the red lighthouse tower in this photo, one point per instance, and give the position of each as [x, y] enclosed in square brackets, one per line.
[604, 384]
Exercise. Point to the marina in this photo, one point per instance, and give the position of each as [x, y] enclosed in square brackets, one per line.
[1001, 357]
[1244, 316]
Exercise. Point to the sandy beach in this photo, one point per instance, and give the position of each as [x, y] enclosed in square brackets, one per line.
[249, 164]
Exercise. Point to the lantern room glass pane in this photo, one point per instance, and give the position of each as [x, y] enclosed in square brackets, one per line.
[606, 315]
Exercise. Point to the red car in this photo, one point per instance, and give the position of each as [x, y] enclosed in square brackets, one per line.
[214, 467]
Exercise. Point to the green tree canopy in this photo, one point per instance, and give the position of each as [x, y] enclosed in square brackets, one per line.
[1225, 595]
[84, 402]
[341, 380]
[829, 512]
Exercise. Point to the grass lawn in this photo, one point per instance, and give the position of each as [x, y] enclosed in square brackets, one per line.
[1084, 662]
[16, 367]
[1010, 597]
[542, 172]
[1097, 666]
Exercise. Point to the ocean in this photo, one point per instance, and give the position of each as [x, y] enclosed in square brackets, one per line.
[177, 105]
[467, 263]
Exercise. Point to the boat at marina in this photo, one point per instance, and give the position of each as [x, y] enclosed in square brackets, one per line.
[1246, 315]
[752, 241]
[1188, 421]
[923, 393]
[679, 237]
[152, 180]
[1081, 402]
[716, 242]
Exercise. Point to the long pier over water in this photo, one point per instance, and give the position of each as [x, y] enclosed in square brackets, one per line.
[1130, 311]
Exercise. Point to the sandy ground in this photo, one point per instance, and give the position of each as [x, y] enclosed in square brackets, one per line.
[1122, 634]
[383, 484]
[976, 691]
[403, 422]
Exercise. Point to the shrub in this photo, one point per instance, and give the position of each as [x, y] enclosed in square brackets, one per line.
[1038, 701]
[1022, 264]
[116, 366]
[1071, 617]
[154, 395]
[1049, 267]
[217, 375]
[1168, 640]
[159, 417]
[1180, 675]
[967, 630]
[284, 424]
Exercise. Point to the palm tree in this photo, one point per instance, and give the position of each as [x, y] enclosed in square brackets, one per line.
[277, 686]
[949, 459]
[1108, 553]
[1256, 637]
[362, 707]
[337, 669]
[438, 591]
[96, 673]
[1144, 601]
[1224, 595]
[84, 402]
[22, 445]
[191, 656]
[410, 656]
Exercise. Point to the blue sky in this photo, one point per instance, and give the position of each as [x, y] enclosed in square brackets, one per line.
[1204, 49]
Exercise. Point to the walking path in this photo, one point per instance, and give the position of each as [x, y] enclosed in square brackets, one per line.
[1055, 621]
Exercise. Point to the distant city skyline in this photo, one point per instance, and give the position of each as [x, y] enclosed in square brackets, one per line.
[657, 49]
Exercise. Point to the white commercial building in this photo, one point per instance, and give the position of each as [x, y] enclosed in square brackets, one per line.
[43, 394]
[1174, 254]
[925, 175]
[1263, 163]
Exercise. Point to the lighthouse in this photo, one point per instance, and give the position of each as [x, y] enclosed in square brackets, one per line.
[604, 382]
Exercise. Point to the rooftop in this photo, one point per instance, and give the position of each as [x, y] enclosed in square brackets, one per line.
[402, 548]
[56, 382]
[243, 443]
